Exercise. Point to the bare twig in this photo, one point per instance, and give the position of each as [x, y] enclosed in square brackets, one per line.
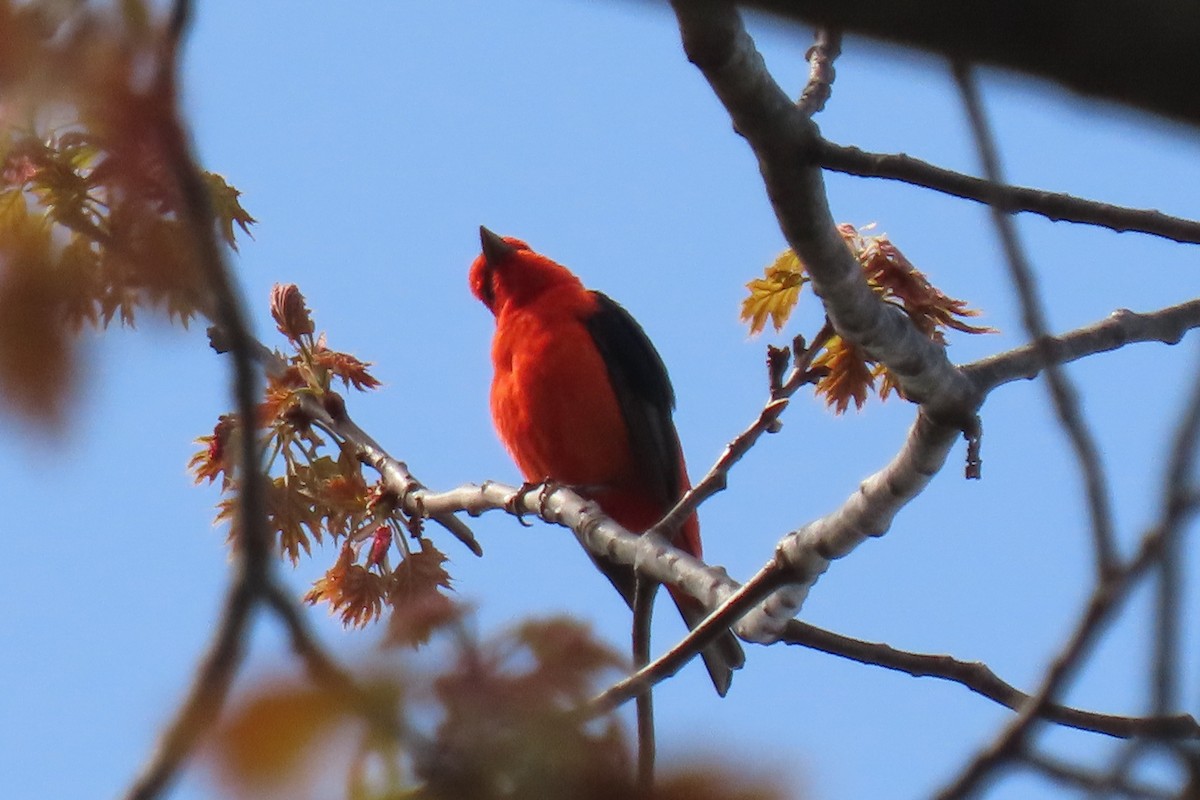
[1062, 392]
[1076, 778]
[979, 678]
[827, 46]
[1167, 325]
[768, 580]
[1056, 206]
[717, 478]
[643, 612]
[1179, 497]
[1168, 612]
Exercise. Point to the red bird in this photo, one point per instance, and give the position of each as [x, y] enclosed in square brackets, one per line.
[581, 396]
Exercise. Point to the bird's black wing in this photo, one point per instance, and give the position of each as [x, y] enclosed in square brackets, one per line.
[644, 393]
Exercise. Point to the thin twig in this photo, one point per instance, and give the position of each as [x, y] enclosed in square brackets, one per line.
[1103, 603]
[1077, 778]
[714, 625]
[1056, 206]
[979, 678]
[1166, 325]
[1062, 392]
[1168, 612]
[717, 477]
[827, 46]
[644, 591]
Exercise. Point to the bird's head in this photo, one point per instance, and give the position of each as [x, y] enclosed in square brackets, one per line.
[508, 270]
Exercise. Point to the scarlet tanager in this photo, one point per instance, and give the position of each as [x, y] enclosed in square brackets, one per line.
[580, 396]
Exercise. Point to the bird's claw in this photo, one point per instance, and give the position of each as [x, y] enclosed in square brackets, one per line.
[515, 504]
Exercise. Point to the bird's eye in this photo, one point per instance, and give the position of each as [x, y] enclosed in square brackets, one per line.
[487, 290]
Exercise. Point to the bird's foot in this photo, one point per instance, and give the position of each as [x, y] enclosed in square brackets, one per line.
[515, 504]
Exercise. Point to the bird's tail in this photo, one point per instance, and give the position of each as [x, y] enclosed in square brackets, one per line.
[721, 657]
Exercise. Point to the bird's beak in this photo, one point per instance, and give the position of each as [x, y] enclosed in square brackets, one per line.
[495, 249]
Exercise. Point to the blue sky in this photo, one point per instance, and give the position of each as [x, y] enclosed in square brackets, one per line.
[371, 139]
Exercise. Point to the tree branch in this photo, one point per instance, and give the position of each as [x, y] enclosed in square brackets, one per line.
[768, 580]
[655, 557]
[393, 472]
[869, 511]
[643, 612]
[979, 678]
[1122, 327]
[1055, 206]
[806, 553]
[785, 141]
[826, 47]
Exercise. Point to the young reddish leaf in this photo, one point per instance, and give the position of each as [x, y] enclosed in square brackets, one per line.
[79, 269]
[848, 379]
[213, 460]
[774, 295]
[351, 589]
[890, 271]
[291, 314]
[292, 516]
[418, 606]
[343, 500]
[850, 373]
[345, 366]
[381, 542]
[22, 161]
[228, 208]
